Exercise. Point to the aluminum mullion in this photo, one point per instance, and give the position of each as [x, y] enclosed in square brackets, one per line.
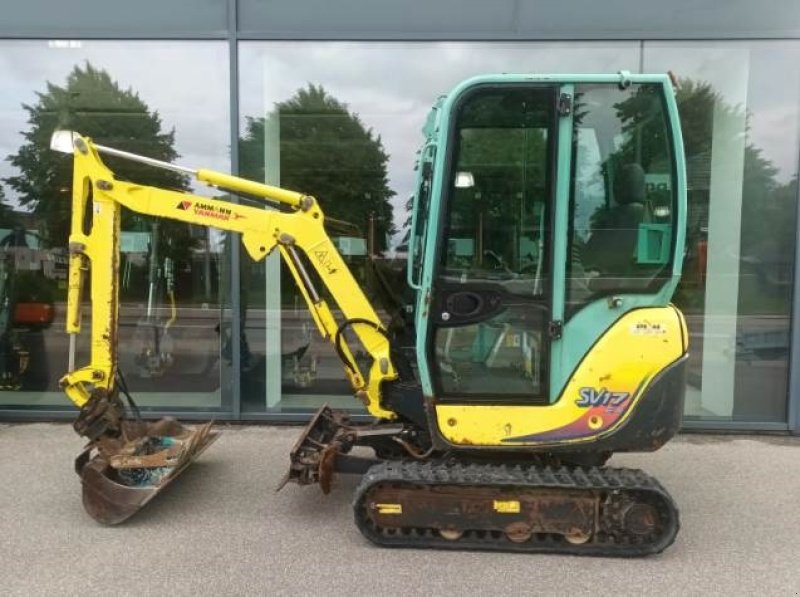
[235, 256]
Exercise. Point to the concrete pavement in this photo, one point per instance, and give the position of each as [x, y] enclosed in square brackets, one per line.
[221, 530]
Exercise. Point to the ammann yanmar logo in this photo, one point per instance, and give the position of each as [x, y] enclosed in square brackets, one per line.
[208, 210]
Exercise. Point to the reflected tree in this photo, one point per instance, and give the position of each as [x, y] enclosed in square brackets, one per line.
[91, 102]
[326, 151]
[502, 158]
[7, 217]
[768, 206]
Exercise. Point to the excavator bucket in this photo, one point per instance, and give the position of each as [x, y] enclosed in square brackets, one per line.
[120, 476]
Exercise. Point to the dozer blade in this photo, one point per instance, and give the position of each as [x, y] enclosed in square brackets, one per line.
[323, 448]
[313, 455]
[120, 477]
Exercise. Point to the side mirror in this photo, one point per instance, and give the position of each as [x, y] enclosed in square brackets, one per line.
[63, 141]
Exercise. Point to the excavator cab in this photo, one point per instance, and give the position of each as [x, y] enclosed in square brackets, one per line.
[549, 212]
[546, 242]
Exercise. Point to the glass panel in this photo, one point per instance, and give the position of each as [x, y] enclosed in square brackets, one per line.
[413, 241]
[134, 96]
[504, 355]
[312, 116]
[739, 105]
[498, 208]
[497, 257]
[622, 192]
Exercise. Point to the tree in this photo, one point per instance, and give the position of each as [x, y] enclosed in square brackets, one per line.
[767, 232]
[7, 217]
[326, 151]
[95, 105]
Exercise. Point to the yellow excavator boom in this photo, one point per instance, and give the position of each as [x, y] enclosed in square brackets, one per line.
[128, 461]
[98, 197]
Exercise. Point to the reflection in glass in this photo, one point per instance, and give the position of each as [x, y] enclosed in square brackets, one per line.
[495, 272]
[740, 126]
[315, 150]
[622, 193]
[323, 150]
[170, 314]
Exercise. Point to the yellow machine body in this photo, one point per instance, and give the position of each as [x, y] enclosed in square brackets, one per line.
[599, 397]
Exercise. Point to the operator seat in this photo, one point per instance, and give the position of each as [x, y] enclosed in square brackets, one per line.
[611, 249]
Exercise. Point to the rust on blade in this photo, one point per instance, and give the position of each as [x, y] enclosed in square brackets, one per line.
[326, 468]
[314, 454]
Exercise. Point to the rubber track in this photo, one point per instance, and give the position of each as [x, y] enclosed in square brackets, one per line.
[600, 479]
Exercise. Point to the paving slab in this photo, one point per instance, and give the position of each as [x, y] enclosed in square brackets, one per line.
[222, 530]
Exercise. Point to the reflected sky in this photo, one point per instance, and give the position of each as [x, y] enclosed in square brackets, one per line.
[186, 82]
[390, 85]
[761, 76]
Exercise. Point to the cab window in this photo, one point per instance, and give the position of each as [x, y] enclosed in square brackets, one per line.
[623, 193]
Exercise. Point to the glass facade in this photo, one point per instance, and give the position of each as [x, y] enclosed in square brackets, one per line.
[341, 121]
[140, 97]
[740, 113]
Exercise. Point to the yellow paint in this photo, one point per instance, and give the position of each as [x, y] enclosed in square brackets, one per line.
[506, 506]
[250, 187]
[261, 231]
[621, 361]
[389, 508]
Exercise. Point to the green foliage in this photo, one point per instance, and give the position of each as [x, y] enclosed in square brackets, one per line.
[502, 144]
[7, 217]
[509, 167]
[325, 151]
[95, 105]
[696, 100]
[768, 207]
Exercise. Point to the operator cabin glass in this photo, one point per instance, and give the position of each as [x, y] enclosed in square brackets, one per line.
[494, 281]
[622, 194]
[492, 314]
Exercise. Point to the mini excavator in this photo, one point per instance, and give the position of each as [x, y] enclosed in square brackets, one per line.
[546, 241]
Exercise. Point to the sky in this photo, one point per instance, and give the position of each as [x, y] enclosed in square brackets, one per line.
[186, 82]
[390, 85]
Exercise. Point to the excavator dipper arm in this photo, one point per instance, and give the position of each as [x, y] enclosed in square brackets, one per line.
[98, 198]
[127, 461]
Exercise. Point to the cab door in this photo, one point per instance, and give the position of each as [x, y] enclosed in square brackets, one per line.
[490, 323]
[622, 221]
